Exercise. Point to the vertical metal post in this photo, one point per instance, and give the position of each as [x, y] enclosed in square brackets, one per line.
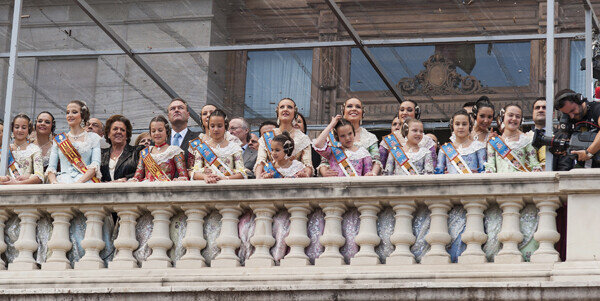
[549, 76]
[12, 61]
[589, 81]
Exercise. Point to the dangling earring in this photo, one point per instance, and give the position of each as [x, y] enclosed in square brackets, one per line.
[277, 121]
[360, 122]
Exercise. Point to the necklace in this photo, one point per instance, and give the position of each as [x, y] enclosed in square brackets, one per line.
[511, 136]
[115, 157]
[76, 136]
[19, 146]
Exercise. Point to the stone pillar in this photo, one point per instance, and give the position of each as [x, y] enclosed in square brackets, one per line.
[474, 235]
[194, 240]
[332, 238]
[126, 242]
[262, 239]
[510, 234]
[59, 243]
[403, 236]
[546, 233]
[367, 237]
[228, 240]
[26, 244]
[3, 246]
[92, 242]
[438, 236]
[159, 241]
[297, 239]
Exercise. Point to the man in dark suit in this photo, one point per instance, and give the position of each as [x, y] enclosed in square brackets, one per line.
[240, 128]
[180, 134]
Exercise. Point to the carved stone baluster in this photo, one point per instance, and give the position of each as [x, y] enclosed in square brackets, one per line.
[59, 243]
[159, 241]
[126, 242]
[26, 244]
[92, 242]
[3, 246]
[403, 236]
[332, 238]
[367, 237]
[474, 235]
[298, 239]
[263, 238]
[228, 240]
[194, 240]
[510, 234]
[546, 233]
[438, 236]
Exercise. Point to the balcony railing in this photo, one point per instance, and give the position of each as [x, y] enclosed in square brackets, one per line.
[427, 235]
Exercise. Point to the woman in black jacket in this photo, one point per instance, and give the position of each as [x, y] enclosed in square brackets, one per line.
[119, 161]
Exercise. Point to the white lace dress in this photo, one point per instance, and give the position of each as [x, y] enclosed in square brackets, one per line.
[89, 150]
[292, 170]
[230, 155]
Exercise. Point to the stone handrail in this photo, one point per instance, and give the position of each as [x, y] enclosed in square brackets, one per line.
[294, 231]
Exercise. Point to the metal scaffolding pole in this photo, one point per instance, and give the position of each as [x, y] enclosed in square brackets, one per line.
[136, 58]
[589, 84]
[12, 62]
[549, 76]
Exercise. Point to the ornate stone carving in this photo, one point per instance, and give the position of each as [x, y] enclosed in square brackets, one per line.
[440, 77]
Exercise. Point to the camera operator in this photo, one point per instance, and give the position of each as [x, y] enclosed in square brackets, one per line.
[580, 116]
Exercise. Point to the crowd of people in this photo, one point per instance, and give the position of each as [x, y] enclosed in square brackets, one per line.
[226, 148]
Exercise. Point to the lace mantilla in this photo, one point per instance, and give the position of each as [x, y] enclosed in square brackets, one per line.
[292, 170]
[27, 152]
[367, 138]
[426, 142]
[228, 150]
[360, 153]
[301, 141]
[418, 155]
[171, 152]
[473, 147]
[83, 146]
[523, 141]
[228, 137]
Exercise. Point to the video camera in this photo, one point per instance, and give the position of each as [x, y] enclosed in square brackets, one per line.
[561, 144]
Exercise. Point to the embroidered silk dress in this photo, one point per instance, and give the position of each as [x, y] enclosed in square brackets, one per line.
[426, 142]
[520, 149]
[170, 161]
[88, 149]
[360, 159]
[475, 155]
[30, 161]
[421, 160]
[367, 141]
[230, 155]
[302, 151]
[292, 170]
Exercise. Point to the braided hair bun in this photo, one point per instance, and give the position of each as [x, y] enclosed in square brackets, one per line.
[286, 140]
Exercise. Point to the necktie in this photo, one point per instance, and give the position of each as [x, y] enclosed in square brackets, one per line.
[176, 139]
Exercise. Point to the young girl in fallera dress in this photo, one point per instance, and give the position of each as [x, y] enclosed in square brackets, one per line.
[27, 156]
[356, 155]
[228, 153]
[419, 156]
[282, 147]
[483, 113]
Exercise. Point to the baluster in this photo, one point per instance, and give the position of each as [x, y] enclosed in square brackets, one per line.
[159, 241]
[126, 242]
[59, 243]
[510, 234]
[26, 244]
[474, 235]
[332, 238]
[367, 237]
[228, 240]
[546, 233]
[297, 239]
[403, 236]
[438, 236]
[194, 240]
[263, 238]
[92, 242]
[3, 246]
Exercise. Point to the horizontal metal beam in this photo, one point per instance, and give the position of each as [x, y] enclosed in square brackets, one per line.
[286, 46]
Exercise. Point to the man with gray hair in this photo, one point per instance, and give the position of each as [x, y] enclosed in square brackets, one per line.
[240, 128]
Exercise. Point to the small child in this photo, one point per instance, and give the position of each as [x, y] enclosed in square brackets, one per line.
[353, 160]
[419, 157]
[282, 147]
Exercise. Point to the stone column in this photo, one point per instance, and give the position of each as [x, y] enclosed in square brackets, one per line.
[297, 239]
[403, 236]
[26, 244]
[228, 240]
[510, 234]
[159, 241]
[262, 239]
[474, 235]
[332, 238]
[126, 242]
[59, 243]
[92, 242]
[3, 246]
[546, 233]
[367, 237]
[438, 236]
[194, 240]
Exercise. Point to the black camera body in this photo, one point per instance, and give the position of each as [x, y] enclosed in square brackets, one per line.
[562, 144]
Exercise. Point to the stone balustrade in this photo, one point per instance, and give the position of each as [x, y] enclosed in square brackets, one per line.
[303, 237]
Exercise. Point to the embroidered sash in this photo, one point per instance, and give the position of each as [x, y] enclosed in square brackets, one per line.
[269, 168]
[340, 157]
[72, 155]
[152, 167]
[268, 138]
[392, 141]
[505, 152]
[13, 167]
[332, 140]
[211, 158]
[455, 158]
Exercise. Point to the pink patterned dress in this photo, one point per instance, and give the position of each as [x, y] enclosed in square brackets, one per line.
[171, 162]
